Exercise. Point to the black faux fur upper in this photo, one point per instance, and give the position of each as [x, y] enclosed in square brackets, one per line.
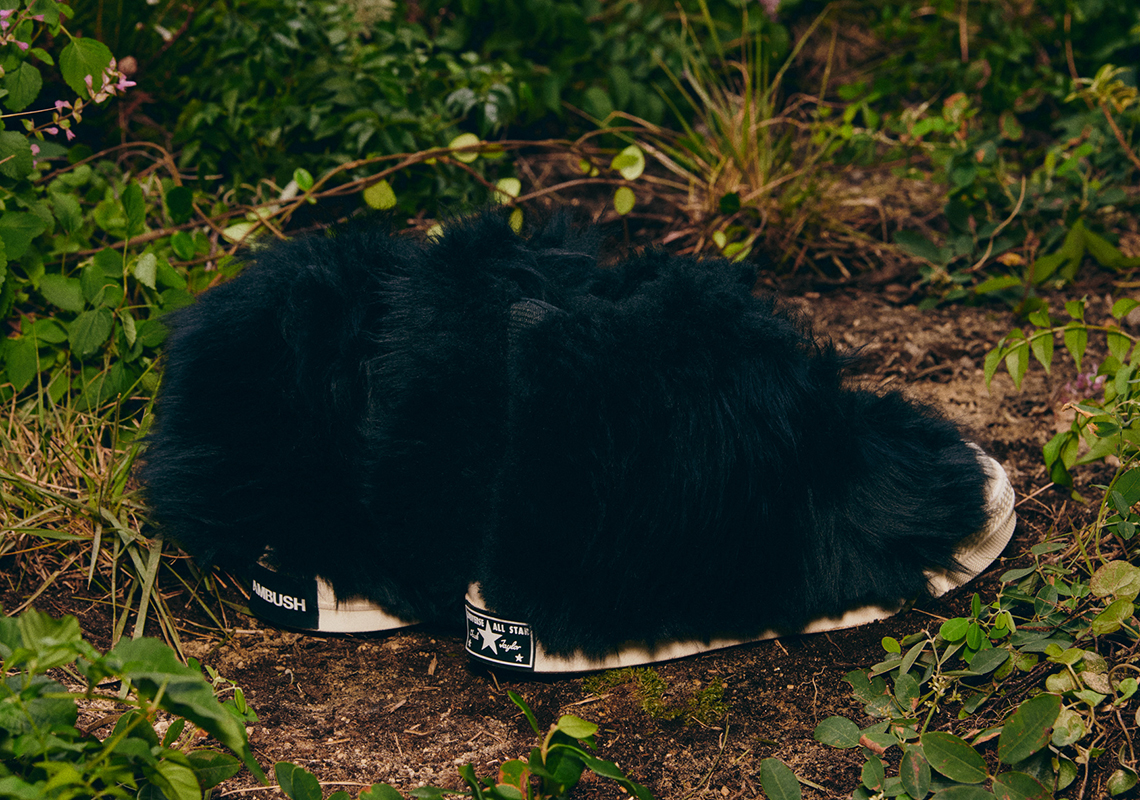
[641, 452]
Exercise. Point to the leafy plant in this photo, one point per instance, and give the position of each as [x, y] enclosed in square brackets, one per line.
[705, 706]
[46, 754]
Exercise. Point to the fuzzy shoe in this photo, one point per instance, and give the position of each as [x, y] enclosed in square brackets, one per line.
[687, 470]
[337, 413]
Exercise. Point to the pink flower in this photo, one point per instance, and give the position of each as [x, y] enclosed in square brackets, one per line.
[52, 130]
[124, 84]
[38, 17]
[90, 83]
[23, 45]
[70, 134]
[4, 14]
[61, 104]
[35, 149]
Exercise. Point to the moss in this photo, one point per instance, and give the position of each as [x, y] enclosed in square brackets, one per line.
[704, 706]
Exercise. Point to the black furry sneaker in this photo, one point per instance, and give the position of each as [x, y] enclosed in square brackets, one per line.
[687, 470]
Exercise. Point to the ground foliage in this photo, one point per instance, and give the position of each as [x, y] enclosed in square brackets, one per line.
[128, 183]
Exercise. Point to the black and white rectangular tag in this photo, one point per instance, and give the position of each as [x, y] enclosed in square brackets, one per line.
[282, 600]
[498, 641]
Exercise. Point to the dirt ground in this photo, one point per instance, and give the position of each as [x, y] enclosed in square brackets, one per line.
[407, 708]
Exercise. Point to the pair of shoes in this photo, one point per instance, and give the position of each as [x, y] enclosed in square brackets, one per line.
[612, 464]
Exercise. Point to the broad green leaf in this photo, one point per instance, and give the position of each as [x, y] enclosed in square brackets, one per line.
[993, 360]
[963, 793]
[212, 767]
[1123, 306]
[304, 179]
[914, 772]
[1076, 310]
[630, 162]
[1112, 618]
[61, 291]
[83, 58]
[576, 727]
[380, 791]
[67, 211]
[380, 196]
[21, 360]
[1116, 579]
[464, 140]
[996, 284]
[1121, 781]
[837, 732]
[177, 781]
[1045, 266]
[986, 661]
[48, 330]
[183, 245]
[1069, 728]
[239, 232]
[296, 782]
[952, 757]
[1027, 729]
[1076, 340]
[179, 202]
[624, 200]
[1118, 344]
[146, 269]
[135, 208]
[779, 782]
[954, 629]
[507, 189]
[891, 644]
[1107, 254]
[516, 220]
[906, 691]
[1017, 362]
[89, 331]
[1042, 346]
[1019, 786]
[15, 156]
[918, 245]
[18, 229]
[23, 85]
[873, 773]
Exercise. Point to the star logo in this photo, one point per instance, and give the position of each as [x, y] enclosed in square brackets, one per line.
[519, 658]
[489, 638]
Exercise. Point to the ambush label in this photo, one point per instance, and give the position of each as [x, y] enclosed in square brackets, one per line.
[499, 641]
[282, 600]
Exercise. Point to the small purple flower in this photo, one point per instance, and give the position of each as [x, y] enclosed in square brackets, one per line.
[60, 105]
[5, 13]
[35, 149]
[23, 45]
[52, 130]
[70, 134]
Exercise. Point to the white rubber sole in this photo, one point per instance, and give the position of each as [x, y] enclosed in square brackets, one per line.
[513, 644]
[311, 605]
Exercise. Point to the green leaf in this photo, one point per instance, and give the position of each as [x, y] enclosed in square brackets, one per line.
[916, 244]
[1118, 345]
[1017, 362]
[146, 269]
[1042, 346]
[837, 732]
[380, 196]
[18, 229]
[66, 293]
[211, 767]
[179, 202]
[89, 331]
[296, 782]
[1123, 306]
[1019, 786]
[177, 781]
[630, 162]
[954, 629]
[914, 771]
[873, 773]
[1076, 339]
[304, 179]
[906, 691]
[465, 140]
[1027, 730]
[993, 360]
[952, 757]
[1112, 618]
[624, 200]
[68, 211]
[1045, 266]
[135, 208]
[22, 362]
[986, 661]
[1068, 729]
[82, 58]
[380, 791]
[48, 330]
[778, 781]
[15, 155]
[183, 245]
[575, 727]
[518, 701]
[23, 85]
[963, 793]
[891, 644]
[1116, 579]
[1121, 781]
[997, 283]
[507, 189]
